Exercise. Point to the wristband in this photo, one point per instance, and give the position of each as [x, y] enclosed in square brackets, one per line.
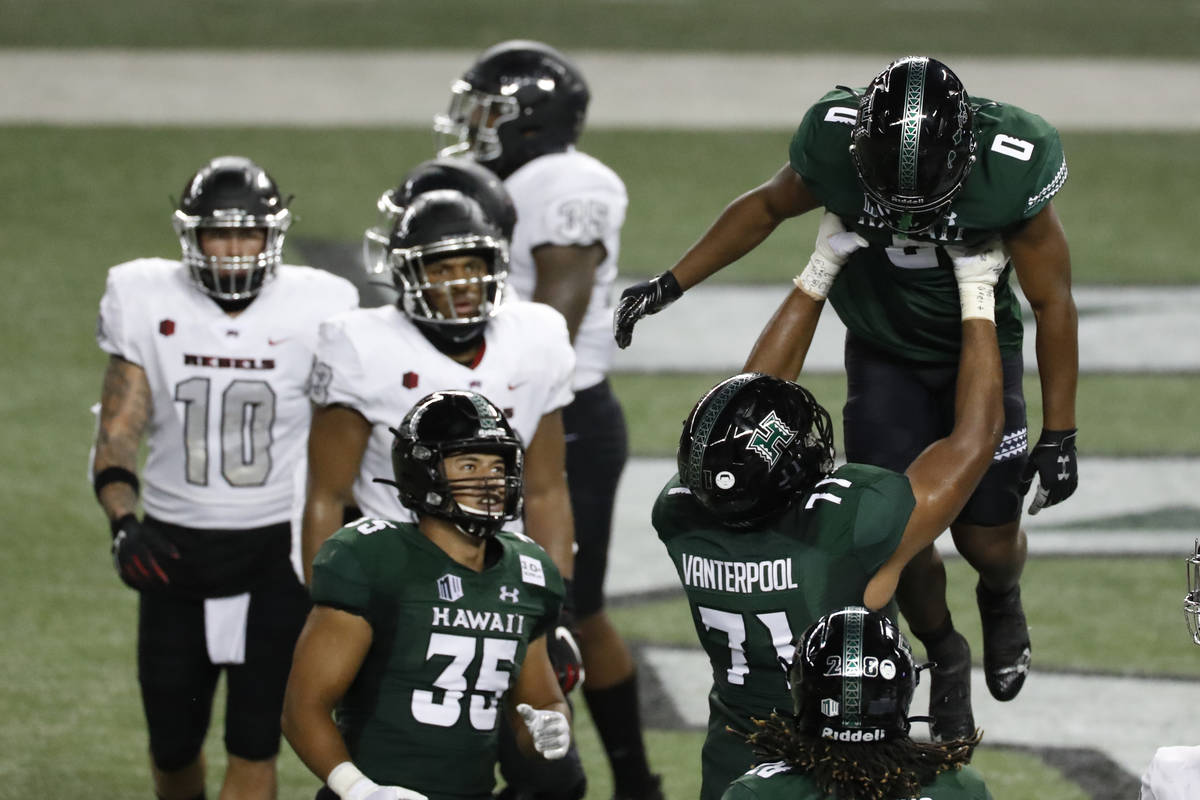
[817, 278]
[115, 475]
[119, 523]
[343, 777]
[977, 300]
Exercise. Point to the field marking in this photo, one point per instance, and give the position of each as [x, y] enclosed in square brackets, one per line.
[1121, 329]
[1124, 717]
[689, 90]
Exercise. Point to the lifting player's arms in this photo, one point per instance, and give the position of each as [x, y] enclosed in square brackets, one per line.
[765, 533]
[422, 634]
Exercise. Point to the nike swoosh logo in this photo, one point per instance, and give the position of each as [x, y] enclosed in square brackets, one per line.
[274, 342]
[512, 387]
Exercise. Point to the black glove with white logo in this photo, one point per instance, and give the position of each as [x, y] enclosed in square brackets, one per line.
[139, 552]
[1054, 461]
[565, 657]
[641, 300]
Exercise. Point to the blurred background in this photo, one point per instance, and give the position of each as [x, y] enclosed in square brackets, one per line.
[106, 109]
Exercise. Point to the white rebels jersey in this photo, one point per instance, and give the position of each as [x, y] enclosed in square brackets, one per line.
[1173, 774]
[378, 363]
[571, 199]
[230, 409]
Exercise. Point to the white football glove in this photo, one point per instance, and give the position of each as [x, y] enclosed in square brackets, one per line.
[833, 247]
[348, 783]
[977, 270]
[550, 731]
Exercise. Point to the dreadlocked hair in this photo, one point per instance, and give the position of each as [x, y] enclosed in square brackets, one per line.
[856, 770]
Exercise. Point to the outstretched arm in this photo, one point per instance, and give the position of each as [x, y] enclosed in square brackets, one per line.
[740, 228]
[947, 472]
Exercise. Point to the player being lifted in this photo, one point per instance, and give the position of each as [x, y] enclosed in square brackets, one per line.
[422, 634]
[766, 535]
[915, 168]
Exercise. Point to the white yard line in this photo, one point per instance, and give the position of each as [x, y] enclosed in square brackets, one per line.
[629, 89]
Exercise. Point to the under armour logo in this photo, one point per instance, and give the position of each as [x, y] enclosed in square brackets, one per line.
[1064, 463]
[511, 595]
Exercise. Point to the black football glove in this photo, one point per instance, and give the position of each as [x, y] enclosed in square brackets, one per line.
[643, 299]
[1054, 461]
[137, 551]
[563, 650]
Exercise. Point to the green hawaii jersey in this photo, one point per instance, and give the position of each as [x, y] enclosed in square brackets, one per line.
[447, 644]
[777, 781]
[899, 294]
[753, 592]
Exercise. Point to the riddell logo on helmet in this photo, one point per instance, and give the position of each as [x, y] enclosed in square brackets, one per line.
[875, 735]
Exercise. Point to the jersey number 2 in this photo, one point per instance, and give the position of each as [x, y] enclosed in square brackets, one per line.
[247, 414]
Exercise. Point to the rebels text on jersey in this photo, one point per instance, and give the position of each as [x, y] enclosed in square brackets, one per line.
[446, 644]
[753, 591]
[566, 199]
[230, 409]
[899, 293]
[377, 362]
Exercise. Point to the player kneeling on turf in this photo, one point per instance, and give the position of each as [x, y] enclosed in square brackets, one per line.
[420, 633]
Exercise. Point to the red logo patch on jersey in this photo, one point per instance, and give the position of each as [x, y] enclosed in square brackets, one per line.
[410, 380]
[166, 327]
[508, 413]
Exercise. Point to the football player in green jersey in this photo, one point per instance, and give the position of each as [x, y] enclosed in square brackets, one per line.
[421, 634]
[766, 535]
[852, 680]
[913, 168]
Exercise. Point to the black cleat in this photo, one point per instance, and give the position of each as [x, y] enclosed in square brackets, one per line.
[1006, 653]
[950, 690]
[651, 790]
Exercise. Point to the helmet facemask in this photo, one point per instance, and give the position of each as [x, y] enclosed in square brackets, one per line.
[481, 505]
[434, 302]
[471, 125]
[1191, 603]
[232, 278]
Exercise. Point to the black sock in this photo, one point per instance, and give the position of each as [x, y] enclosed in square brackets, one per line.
[618, 721]
[936, 637]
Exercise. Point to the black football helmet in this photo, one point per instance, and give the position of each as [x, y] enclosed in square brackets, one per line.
[519, 100]
[231, 192]
[913, 144]
[751, 445]
[1191, 602]
[438, 225]
[460, 174]
[447, 423]
[852, 677]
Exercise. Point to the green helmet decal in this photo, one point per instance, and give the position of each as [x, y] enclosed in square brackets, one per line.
[910, 134]
[852, 670]
[771, 438]
[704, 426]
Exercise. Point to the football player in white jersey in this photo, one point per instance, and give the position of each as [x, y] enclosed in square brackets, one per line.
[519, 110]
[208, 358]
[1174, 771]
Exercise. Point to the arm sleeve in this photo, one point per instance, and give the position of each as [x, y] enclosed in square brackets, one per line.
[883, 511]
[337, 376]
[339, 579]
[111, 328]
